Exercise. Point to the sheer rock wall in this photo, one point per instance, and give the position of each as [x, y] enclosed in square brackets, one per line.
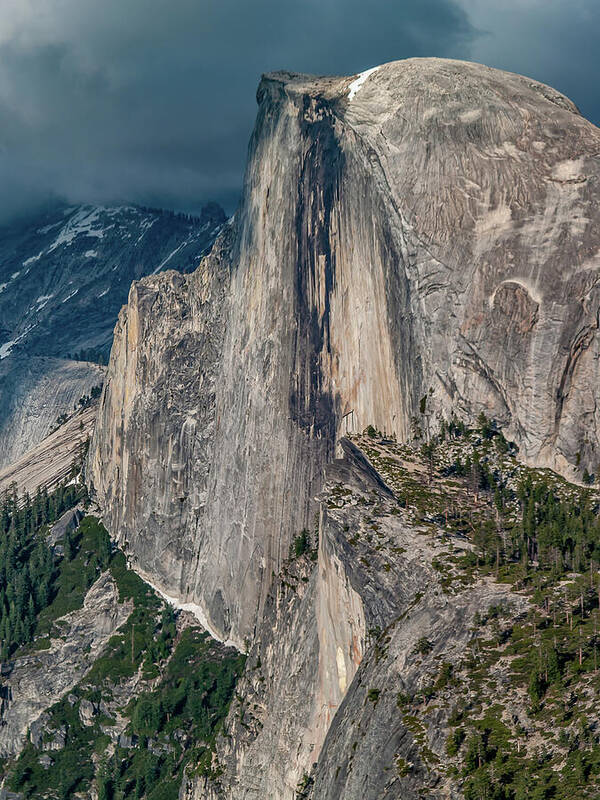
[432, 233]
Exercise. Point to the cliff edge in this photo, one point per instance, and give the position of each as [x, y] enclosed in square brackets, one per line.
[417, 241]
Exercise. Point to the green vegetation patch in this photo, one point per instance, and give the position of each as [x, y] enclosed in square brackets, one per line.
[527, 724]
[31, 576]
[177, 683]
[87, 553]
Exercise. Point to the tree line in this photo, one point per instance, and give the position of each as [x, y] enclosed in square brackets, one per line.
[27, 562]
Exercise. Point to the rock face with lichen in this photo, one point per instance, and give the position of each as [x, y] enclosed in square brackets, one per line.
[418, 241]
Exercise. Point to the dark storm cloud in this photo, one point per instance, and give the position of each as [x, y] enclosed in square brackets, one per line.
[153, 100]
[554, 41]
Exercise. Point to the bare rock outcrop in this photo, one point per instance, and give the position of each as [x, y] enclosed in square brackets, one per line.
[33, 682]
[50, 462]
[316, 713]
[422, 237]
[34, 393]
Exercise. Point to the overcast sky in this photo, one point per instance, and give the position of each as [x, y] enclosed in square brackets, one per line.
[152, 101]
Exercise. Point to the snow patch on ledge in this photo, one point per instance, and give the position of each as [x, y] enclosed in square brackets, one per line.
[33, 259]
[358, 82]
[69, 296]
[6, 348]
[193, 608]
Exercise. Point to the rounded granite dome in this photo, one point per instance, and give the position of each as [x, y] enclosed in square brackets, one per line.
[426, 229]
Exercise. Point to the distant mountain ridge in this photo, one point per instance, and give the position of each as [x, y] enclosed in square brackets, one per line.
[64, 275]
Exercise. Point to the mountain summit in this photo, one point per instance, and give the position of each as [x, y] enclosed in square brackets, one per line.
[412, 243]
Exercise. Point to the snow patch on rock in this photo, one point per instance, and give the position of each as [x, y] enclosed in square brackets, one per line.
[83, 223]
[356, 84]
[6, 348]
[43, 300]
[193, 608]
[33, 259]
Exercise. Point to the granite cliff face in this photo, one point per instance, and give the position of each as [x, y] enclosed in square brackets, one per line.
[317, 625]
[420, 240]
[417, 242]
[316, 714]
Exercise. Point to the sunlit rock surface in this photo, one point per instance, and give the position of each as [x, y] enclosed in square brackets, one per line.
[429, 230]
